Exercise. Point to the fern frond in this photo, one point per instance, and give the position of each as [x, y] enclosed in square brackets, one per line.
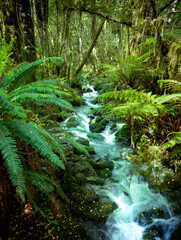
[5, 54]
[175, 140]
[42, 99]
[129, 95]
[75, 144]
[54, 142]
[40, 181]
[134, 109]
[11, 74]
[166, 98]
[11, 161]
[15, 80]
[29, 134]
[8, 107]
[37, 88]
[170, 85]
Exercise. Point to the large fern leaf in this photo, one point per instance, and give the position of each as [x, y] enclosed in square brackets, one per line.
[174, 141]
[8, 107]
[11, 161]
[54, 142]
[29, 134]
[130, 95]
[171, 85]
[133, 109]
[42, 99]
[15, 80]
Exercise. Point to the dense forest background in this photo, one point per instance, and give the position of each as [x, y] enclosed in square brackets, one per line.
[130, 50]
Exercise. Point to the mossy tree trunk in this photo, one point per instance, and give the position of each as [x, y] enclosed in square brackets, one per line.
[12, 28]
[27, 30]
[18, 24]
[42, 8]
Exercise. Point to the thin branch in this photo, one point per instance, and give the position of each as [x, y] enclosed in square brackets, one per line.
[107, 17]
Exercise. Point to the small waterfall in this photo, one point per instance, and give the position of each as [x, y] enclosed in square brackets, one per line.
[134, 198]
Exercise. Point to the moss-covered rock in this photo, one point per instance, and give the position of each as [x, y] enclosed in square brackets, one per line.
[95, 180]
[104, 173]
[123, 135]
[101, 164]
[98, 124]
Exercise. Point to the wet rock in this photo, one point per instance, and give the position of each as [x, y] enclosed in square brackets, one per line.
[153, 233]
[95, 180]
[98, 124]
[77, 100]
[123, 135]
[104, 173]
[90, 149]
[80, 178]
[149, 215]
[101, 164]
[176, 234]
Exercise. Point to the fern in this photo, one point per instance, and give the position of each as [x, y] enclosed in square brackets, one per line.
[49, 138]
[12, 162]
[170, 85]
[134, 109]
[29, 134]
[174, 141]
[15, 79]
[129, 95]
[5, 54]
[15, 110]
[75, 144]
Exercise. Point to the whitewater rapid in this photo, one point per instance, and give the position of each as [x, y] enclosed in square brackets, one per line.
[130, 192]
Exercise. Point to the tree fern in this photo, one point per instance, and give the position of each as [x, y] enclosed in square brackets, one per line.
[134, 109]
[129, 95]
[12, 162]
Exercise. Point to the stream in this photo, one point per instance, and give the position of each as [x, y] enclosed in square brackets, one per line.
[135, 200]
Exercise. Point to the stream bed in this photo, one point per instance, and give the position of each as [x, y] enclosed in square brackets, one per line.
[141, 212]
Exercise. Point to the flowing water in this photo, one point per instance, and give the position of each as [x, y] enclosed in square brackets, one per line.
[130, 192]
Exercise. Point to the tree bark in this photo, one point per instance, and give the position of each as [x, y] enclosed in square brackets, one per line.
[11, 27]
[27, 30]
[90, 49]
[42, 8]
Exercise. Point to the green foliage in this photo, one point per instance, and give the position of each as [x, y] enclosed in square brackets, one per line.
[16, 127]
[170, 85]
[13, 163]
[21, 73]
[5, 54]
[176, 139]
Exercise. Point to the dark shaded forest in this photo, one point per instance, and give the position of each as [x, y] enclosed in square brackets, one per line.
[53, 53]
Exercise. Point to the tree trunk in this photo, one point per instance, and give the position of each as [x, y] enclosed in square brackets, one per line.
[42, 7]
[27, 30]
[11, 27]
[90, 49]
[80, 35]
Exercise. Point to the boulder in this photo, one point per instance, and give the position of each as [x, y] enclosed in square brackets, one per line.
[123, 135]
[104, 173]
[98, 124]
